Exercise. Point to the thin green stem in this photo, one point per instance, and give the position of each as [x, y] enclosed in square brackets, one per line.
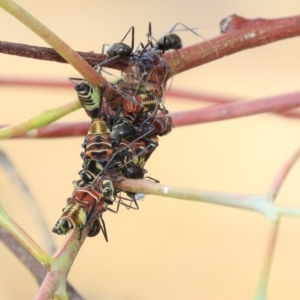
[15, 230]
[54, 284]
[261, 290]
[259, 203]
[54, 41]
[287, 210]
[42, 119]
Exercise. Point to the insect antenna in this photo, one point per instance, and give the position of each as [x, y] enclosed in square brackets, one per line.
[194, 32]
[185, 28]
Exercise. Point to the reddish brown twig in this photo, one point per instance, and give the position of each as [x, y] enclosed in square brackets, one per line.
[237, 109]
[49, 54]
[238, 34]
[228, 110]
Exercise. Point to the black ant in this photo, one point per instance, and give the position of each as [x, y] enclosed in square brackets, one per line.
[167, 42]
[171, 40]
[119, 49]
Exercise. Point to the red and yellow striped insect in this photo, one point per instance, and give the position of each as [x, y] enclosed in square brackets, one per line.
[84, 208]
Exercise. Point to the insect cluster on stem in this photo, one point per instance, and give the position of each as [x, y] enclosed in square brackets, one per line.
[123, 133]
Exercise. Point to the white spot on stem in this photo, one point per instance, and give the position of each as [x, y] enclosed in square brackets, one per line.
[166, 189]
[32, 133]
[250, 35]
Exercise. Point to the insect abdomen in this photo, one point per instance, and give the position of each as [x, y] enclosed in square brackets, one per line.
[73, 216]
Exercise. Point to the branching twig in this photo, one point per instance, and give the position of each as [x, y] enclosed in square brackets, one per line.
[60, 267]
[36, 269]
[258, 203]
[239, 34]
[261, 290]
[24, 239]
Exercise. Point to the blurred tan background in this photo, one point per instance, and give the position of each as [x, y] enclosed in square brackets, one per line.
[169, 249]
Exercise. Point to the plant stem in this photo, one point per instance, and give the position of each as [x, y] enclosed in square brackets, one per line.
[258, 203]
[54, 284]
[261, 290]
[42, 119]
[15, 230]
[238, 34]
[212, 113]
[36, 269]
[54, 41]
[237, 109]
[282, 174]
